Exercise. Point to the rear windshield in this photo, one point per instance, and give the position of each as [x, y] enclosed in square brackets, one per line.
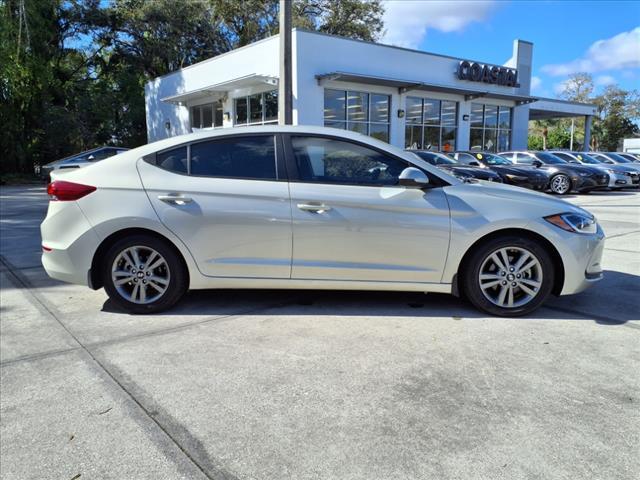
[434, 158]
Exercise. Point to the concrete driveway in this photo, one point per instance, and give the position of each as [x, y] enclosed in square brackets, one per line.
[317, 385]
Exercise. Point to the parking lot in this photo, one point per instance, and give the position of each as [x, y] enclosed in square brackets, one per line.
[317, 385]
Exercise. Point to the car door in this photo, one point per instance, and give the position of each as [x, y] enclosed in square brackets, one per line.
[352, 222]
[227, 199]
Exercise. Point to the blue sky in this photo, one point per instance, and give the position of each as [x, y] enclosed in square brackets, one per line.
[563, 33]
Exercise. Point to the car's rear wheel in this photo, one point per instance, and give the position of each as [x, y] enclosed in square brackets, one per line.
[560, 184]
[143, 274]
[508, 276]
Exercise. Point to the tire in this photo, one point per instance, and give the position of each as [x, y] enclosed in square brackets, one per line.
[490, 297]
[560, 184]
[158, 286]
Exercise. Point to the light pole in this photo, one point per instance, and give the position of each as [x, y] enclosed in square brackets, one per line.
[285, 87]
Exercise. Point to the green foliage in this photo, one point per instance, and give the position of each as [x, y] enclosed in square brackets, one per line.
[535, 142]
[617, 113]
[72, 72]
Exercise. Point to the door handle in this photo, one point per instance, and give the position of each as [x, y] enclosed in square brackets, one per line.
[175, 199]
[315, 208]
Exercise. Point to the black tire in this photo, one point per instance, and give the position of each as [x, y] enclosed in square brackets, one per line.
[470, 276]
[560, 177]
[178, 278]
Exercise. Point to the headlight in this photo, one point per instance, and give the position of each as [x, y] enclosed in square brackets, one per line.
[574, 222]
[516, 178]
[610, 172]
[584, 174]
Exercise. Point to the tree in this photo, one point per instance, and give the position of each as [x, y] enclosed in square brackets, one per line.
[72, 72]
[617, 110]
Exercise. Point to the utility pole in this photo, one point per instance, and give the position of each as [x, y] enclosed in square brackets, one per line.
[285, 85]
[572, 128]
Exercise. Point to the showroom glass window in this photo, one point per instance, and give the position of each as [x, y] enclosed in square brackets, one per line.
[430, 124]
[258, 109]
[490, 127]
[366, 113]
[206, 116]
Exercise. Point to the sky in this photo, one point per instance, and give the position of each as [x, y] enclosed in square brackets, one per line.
[598, 37]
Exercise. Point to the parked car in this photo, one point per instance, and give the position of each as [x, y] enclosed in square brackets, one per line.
[80, 160]
[620, 176]
[564, 177]
[460, 170]
[308, 208]
[521, 176]
[611, 158]
[632, 157]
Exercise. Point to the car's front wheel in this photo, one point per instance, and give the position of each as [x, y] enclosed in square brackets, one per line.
[508, 276]
[560, 184]
[143, 274]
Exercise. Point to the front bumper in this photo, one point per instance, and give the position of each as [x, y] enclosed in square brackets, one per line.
[582, 258]
[592, 182]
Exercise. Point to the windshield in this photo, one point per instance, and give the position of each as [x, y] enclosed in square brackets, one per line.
[434, 158]
[584, 158]
[549, 159]
[493, 159]
[617, 158]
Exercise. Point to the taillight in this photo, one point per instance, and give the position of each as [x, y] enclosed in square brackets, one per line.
[67, 191]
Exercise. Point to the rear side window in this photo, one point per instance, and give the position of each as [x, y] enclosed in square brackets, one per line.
[523, 158]
[174, 160]
[252, 157]
[325, 160]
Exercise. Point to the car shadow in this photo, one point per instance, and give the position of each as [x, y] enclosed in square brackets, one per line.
[617, 288]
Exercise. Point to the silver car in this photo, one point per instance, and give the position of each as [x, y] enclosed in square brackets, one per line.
[308, 208]
[80, 159]
[620, 176]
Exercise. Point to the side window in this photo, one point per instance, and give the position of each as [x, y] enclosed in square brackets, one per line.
[465, 158]
[325, 160]
[252, 157]
[174, 160]
[523, 158]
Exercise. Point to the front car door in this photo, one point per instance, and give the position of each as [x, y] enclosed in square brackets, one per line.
[227, 199]
[352, 222]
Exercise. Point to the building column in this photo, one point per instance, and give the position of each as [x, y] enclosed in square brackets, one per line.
[587, 133]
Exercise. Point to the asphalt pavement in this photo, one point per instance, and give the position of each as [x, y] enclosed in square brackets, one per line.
[317, 385]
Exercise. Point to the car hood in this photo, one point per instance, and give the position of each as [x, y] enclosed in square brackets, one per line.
[513, 170]
[498, 201]
[471, 170]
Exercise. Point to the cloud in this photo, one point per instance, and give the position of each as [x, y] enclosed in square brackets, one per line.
[536, 84]
[407, 21]
[614, 53]
[604, 80]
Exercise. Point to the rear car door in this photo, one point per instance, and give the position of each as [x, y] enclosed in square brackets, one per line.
[227, 199]
[352, 222]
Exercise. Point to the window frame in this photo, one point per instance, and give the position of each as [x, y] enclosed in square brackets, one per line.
[441, 126]
[279, 154]
[214, 107]
[294, 175]
[368, 123]
[263, 107]
[497, 129]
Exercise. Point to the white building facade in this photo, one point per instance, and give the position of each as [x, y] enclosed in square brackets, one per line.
[408, 98]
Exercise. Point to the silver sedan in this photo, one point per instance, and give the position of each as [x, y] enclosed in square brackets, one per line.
[308, 208]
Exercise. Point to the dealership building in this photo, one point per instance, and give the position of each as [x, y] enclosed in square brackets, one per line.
[408, 98]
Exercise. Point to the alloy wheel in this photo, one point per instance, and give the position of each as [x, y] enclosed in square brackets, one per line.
[140, 274]
[510, 277]
[560, 184]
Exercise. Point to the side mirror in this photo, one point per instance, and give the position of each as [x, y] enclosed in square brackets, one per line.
[536, 163]
[412, 177]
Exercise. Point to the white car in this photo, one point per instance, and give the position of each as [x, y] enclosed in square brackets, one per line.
[308, 208]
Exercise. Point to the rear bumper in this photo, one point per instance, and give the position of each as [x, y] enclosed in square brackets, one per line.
[71, 243]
